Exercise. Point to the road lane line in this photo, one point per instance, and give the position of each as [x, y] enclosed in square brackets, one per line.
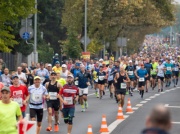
[175, 122]
[139, 105]
[135, 108]
[113, 125]
[143, 102]
[157, 94]
[152, 97]
[173, 106]
[147, 99]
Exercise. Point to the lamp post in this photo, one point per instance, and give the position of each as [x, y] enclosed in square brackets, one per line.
[35, 34]
[85, 27]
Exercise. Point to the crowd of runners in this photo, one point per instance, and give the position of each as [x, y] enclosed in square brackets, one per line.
[59, 87]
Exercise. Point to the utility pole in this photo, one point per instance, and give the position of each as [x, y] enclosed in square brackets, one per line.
[35, 35]
[85, 26]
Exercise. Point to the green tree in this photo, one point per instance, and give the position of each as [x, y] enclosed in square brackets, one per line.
[11, 11]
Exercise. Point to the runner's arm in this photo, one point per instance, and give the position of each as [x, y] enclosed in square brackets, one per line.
[116, 77]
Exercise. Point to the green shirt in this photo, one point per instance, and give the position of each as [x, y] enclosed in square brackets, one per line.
[154, 70]
[8, 113]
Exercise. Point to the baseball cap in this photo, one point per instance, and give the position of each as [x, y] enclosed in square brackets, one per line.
[70, 75]
[101, 60]
[57, 62]
[14, 76]
[130, 60]
[49, 65]
[64, 65]
[53, 73]
[5, 89]
[37, 77]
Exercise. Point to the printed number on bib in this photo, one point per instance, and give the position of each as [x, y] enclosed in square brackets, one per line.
[76, 82]
[141, 79]
[169, 68]
[130, 72]
[101, 77]
[176, 69]
[69, 100]
[19, 101]
[53, 95]
[37, 97]
[96, 80]
[123, 85]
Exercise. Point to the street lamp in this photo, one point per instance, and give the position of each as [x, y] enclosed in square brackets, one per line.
[35, 34]
[85, 26]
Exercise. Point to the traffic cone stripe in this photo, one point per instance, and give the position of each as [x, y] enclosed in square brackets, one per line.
[104, 119]
[129, 108]
[89, 129]
[120, 113]
[104, 127]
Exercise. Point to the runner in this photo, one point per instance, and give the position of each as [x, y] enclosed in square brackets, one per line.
[121, 79]
[176, 72]
[101, 81]
[57, 67]
[60, 80]
[141, 74]
[148, 67]
[110, 80]
[53, 102]
[69, 96]
[36, 93]
[10, 113]
[83, 82]
[64, 73]
[160, 75]
[168, 73]
[19, 94]
[154, 73]
[131, 70]
[21, 75]
[95, 78]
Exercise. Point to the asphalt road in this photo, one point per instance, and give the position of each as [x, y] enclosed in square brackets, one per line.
[134, 123]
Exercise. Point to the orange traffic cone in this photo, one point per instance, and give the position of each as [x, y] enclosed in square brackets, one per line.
[120, 113]
[104, 127]
[129, 108]
[89, 129]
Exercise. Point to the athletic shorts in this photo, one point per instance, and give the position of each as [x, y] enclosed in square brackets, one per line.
[147, 78]
[176, 73]
[36, 113]
[154, 76]
[101, 82]
[168, 76]
[55, 104]
[110, 82]
[141, 84]
[132, 79]
[121, 91]
[161, 78]
[83, 91]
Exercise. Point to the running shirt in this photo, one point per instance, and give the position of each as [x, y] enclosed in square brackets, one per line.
[130, 71]
[61, 81]
[95, 76]
[69, 92]
[154, 68]
[18, 94]
[148, 67]
[160, 70]
[36, 96]
[176, 67]
[42, 73]
[168, 67]
[57, 69]
[142, 73]
[83, 78]
[121, 85]
[75, 71]
[53, 91]
[101, 76]
[110, 75]
[64, 74]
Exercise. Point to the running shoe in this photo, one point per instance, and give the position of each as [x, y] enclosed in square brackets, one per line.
[56, 128]
[103, 93]
[49, 129]
[83, 110]
[127, 92]
[86, 104]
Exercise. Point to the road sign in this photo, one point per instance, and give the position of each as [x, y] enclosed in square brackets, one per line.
[29, 22]
[30, 16]
[121, 42]
[83, 42]
[26, 33]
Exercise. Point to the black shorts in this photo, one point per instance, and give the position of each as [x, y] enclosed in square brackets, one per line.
[55, 104]
[168, 76]
[110, 82]
[101, 82]
[147, 78]
[141, 84]
[161, 78]
[132, 79]
[154, 76]
[121, 91]
[36, 113]
[176, 73]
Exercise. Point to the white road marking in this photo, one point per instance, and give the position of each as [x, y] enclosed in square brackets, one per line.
[143, 102]
[147, 99]
[139, 105]
[167, 105]
[167, 91]
[135, 108]
[113, 125]
[91, 94]
[175, 122]
[157, 94]
[152, 97]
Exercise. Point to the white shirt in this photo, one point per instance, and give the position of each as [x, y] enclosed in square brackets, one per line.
[22, 76]
[160, 70]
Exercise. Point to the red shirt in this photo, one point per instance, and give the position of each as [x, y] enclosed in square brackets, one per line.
[18, 94]
[69, 92]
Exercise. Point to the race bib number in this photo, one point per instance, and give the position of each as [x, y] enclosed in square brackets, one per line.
[19, 101]
[161, 72]
[176, 69]
[42, 79]
[69, 100]
[169, 68]
[153, 71]
[53, 95]
[96, 80]
[141, 79]
[130, 72]
[101, 77]
[76, 82]
[37, 97]
[123, 85]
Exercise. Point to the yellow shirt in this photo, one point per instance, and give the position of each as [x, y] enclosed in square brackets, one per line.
[8, 113]
[61, 81]
[55, 69]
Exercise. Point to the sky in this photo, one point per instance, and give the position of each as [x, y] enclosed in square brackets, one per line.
[177, 1]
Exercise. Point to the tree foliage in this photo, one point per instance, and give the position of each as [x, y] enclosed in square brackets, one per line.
[109, 19]
[11, 11]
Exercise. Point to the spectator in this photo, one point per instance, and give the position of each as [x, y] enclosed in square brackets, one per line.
[21, 75]
[159, 121]
[6, 77]
[2, 66]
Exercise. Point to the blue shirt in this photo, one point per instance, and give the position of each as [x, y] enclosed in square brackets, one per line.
[75, 71]
[148, 67]
[168, 67]
[83, 78]
[142, 73]
[36, 96]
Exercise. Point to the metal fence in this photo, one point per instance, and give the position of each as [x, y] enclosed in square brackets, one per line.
[9, 59]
